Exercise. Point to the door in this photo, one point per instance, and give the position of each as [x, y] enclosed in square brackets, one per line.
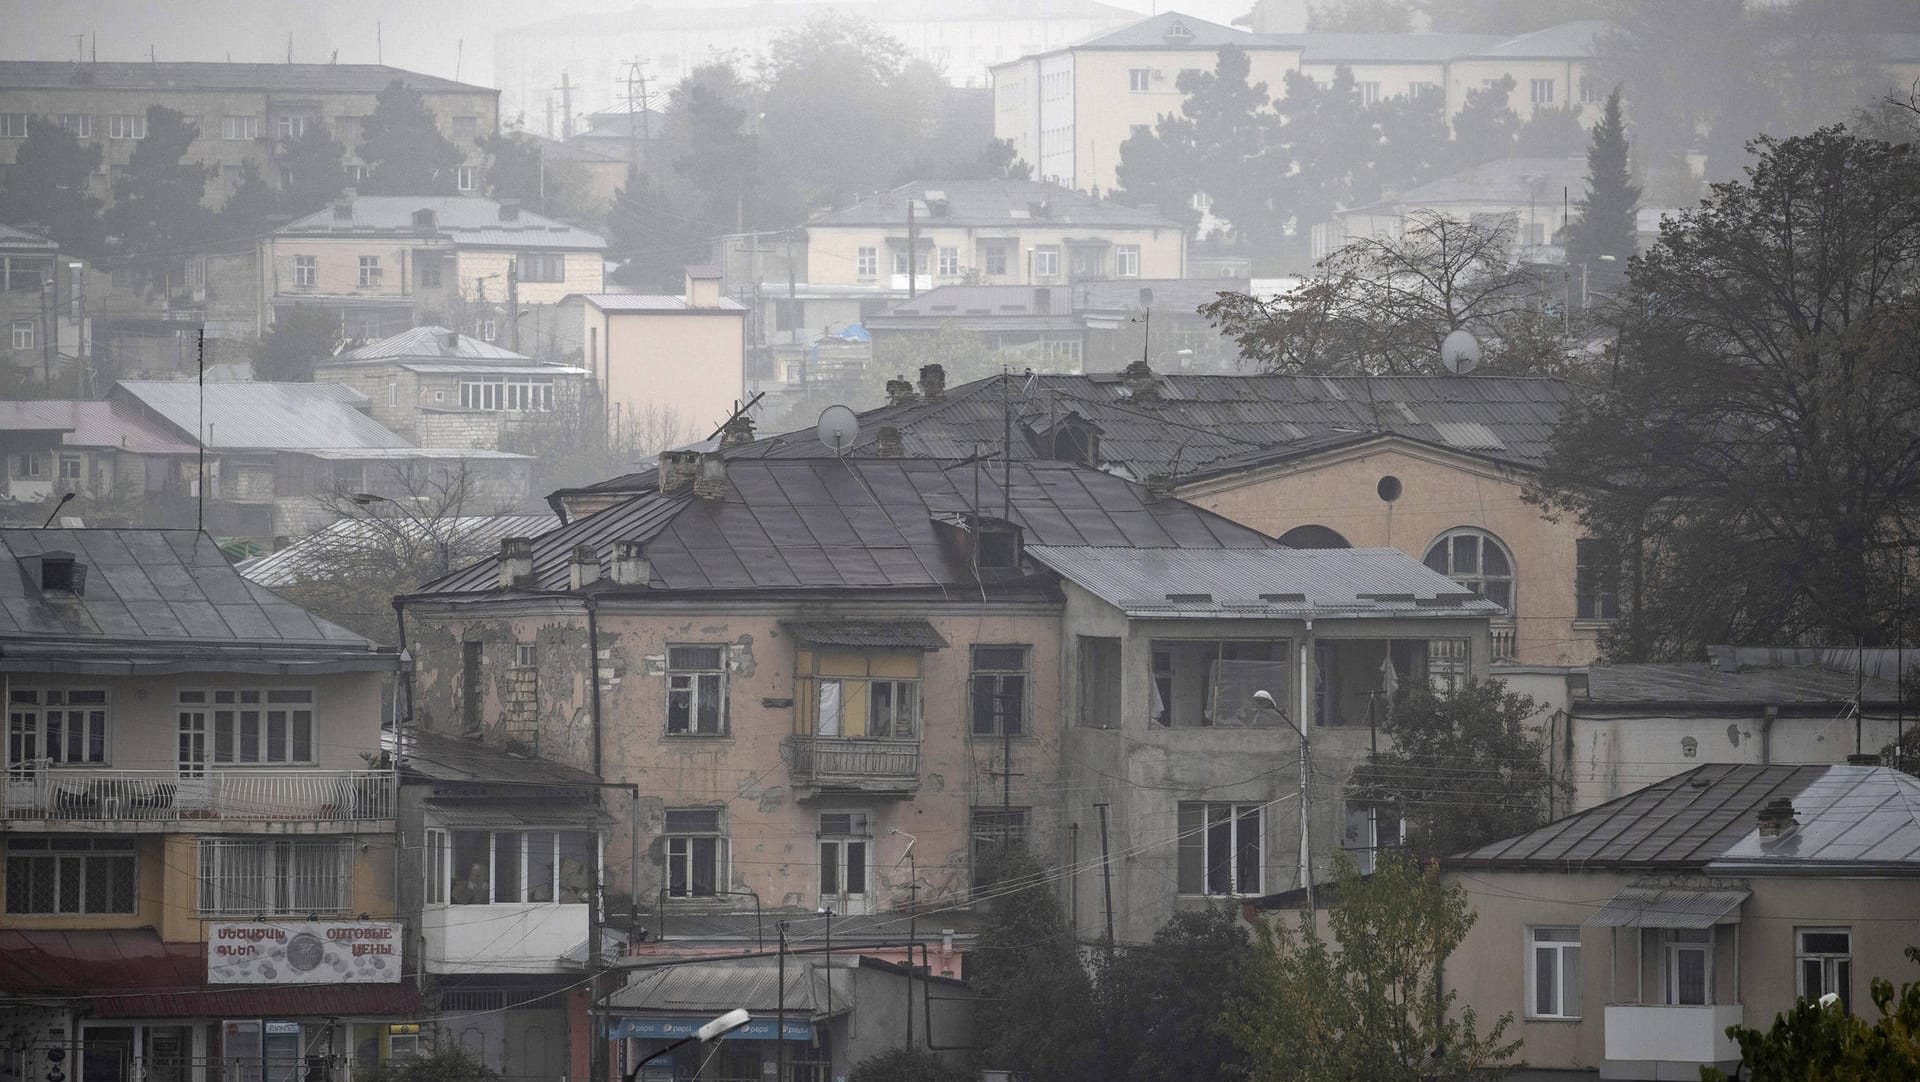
[1689, 965]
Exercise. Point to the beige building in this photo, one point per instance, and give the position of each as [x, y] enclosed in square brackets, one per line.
[388, 263]
[1534, 197]
[246, 112]
[667, 370]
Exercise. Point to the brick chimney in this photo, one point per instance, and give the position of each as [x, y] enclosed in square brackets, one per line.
[900, 392]
[887, 444]
[583, 568]
[677, 471]
[1776, 818]
[1139, 381]
[738, 430]
[933, 382]
[516, 562]
[711, 484]
[630, 564]
[1159, 487]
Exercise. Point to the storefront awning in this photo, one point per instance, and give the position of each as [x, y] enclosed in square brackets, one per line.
[672, 1001]
[1668, 907]
[868, 634]
[310, 1001]
[672, 1029]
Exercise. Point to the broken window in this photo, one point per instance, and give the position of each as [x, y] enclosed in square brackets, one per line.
[999, 687]
[1220, 849]
[1370, 830]
[844, 838]
[1596, 579]
[1099, 682]
[696, 852]
[1356, 681]
[1199, 683]
[872, 694]
[696, 690]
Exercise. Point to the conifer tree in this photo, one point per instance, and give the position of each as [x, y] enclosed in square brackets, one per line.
[156, 210]
[45, 190]
[315, 170]
[1606, 225]
[403, 148]
[249, 209]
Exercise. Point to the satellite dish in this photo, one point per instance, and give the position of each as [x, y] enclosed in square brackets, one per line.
[838, 428]
[1460, 352]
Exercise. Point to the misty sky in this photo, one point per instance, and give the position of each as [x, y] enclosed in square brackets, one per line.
[431, 36]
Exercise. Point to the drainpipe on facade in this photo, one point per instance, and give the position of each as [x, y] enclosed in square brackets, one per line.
[593, 673]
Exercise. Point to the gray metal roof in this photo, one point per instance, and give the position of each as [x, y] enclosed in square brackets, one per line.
[906, 634]
[1003, 204]
[1667, 907]
[439, 757]
[1173, 30]
[10, 237]
[1706, 819]
[1505, 182]
[432, 343]
[1331, 47]
[192, 75]
[1567, 41]
[619, 303]
[1682, 683]
[264, 416]
[466, 220]
[158, 600]
[1180, 583]
[709, 987]
[468, 537]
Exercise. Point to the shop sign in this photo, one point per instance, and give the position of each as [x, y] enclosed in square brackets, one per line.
[303, 952]
[669, 1029]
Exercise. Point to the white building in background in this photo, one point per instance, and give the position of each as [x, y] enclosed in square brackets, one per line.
[596, 52]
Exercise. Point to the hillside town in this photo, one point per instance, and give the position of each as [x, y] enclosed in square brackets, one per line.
[914, 541]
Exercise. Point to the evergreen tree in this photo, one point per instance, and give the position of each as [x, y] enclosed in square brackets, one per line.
[314, 170]
[45, 189]
[249, 209]
[301, 336]
[1550, 133]
[1330, 133]
[655, 244]
[1485, 128]
[1157, 168]
[514, 169]
[1035, 1014]
[1233, 139]
[403, 148]
[157, 209]
[1606, 225]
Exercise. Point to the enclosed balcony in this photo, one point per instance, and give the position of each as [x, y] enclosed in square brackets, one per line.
[214, 796]
[1650, 1033]
[854, 764]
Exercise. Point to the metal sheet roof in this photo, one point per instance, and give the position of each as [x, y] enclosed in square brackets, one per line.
[903, 634]
[1668, 907]
[710, 986]
[991, 203]
[439, 343]
[263, 416]
[466, 220]
[1180, 583]
[628, 303]
[467, 537]
[197, 75]
[433, 756]
[12, 237]
[1632, 685]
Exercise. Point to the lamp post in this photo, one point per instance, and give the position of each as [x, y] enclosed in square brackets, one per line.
[1264, 701]
[712, 1031]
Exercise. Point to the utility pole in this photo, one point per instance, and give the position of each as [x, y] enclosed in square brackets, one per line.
[780, 1007]
[566, 106]
[912, 244]
[637, 133]
[1106, 877]
[47, 332]
[596, 1043]
[513, 301]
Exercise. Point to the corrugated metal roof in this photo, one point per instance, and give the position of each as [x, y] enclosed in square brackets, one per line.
[990, 204]
[197, 75]
[12, 237]
[467, 537]
[1180, 583]
[439, 757]
[656, 302]
[1569, 41]
[263, 416]
[710, 986]
[466, 220]
[432, 342]
[35, 417]
[905, 634]
[1699, 682]
[1667, 907]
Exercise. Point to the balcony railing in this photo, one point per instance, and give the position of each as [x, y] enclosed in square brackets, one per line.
[855, 763]
[1505, 638]
[1637, 1032]
[43, 791]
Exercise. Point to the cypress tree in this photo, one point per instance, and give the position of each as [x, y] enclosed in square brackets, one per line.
[1605, 225]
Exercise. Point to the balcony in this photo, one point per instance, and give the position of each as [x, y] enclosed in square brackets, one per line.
[520, 937]
[852, 764]
[1691, 1035]
[215, 795]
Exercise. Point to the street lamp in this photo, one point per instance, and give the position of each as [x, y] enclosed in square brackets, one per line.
[712, 1031]
[1264, 700]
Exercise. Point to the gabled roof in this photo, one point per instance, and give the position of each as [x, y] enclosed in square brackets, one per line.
[467, 220]
[264, 416]
[11, 237]
[1507, 182]
[1706, 819]
[193, 75]
[858, 524]
[656, 303]
[1001, 204]
[1326, 47]
[158, 600]
[1567, 41]
[1173, 30]
[1698, 684]
[467, 537]
[436, 343]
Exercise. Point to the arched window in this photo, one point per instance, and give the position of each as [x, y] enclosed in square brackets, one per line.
[1314, 537]
[1477, 560]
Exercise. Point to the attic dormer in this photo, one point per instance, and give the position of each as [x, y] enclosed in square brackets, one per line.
[57, 573]
[1071, 438]
[991, 546]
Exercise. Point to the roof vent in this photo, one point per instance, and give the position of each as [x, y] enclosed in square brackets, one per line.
[583, 568]
[1190, 599]
[509, 210]
[737, 431]
[887, 443]
[60, 573]
[423, 218]
[1159, 487]
[677, 471]
[1776, 818]
[900, 392]
[453, 340]
[343, 208]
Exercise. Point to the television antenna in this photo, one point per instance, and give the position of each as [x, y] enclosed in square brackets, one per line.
[838, 428]
[1460, 352]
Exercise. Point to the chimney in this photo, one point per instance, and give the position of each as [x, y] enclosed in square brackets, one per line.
[453, 340]
[737, 431]
[712, 482]
[1159, 487]
[703, 287]
[677, 471]
[1776, 818]
[933, 382]
[509, 210]
[516, 562]
[900, 392]
[1139, 380]
[583, 569]
[886, 443]
[630, 564]
[343, 206]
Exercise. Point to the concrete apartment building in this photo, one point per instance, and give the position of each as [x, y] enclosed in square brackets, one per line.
[199, 829]
[245, 111]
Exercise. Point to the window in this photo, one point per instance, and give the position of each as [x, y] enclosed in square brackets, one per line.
[426, 269]
[1590, 90]
[13, 125]
[80, 124]
[996, 259]
[1369, 93]
[1046, 261]
[290, 125]
[1208, 682]
[240, 127]
[1099, 682]
[843, 855]
[246, 876]
[1220, 850]
[860, 695]
[511, 867]
[526, 655]
[193, 734]
[1476, 560]
[24, 335]
[350, 129]
[1824, 957]
[248, 725]
[1553, 973]
[696, 852]
[466, 128]
[1422, 91]
[465, 178]
[999, 686]
[521, 394]
[1371, 828]
[866, 262]
[29, 467]
[949, 261]
[994, 833]
[1688, 963]
[1139, 80]
[1540, 91]
[1126, 260]
[306, 271]
[696, 690]
[61, 875]
[900, 263]
[1596, 580]
[356, 173]
[369, 272]
[70, 467]
[543, 267]
[489, 330]
[127, 126]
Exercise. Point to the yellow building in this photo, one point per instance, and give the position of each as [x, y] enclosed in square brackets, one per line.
[200, 826]
[246, 112]
[668, 369]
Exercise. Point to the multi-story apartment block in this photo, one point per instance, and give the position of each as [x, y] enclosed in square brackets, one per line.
[199, 822]
[389, 263]
[246, 112]
[42, 310]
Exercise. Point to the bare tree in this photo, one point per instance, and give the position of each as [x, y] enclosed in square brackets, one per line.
[572, 445]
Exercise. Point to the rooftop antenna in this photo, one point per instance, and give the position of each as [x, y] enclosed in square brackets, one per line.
[200, 489]
[838, 428]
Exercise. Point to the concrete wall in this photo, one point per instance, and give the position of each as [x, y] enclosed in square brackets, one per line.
[683, 371]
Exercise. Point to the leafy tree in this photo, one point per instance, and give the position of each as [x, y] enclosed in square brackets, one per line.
[1384, 304]
[1607, 224]
[1362, 16]
[1367, 1005]
[1329, 136]
[1413, 145]
[656, 243]
[315, 170]
[403, 148]
[1465, 768]
[998, 161]
[1550, 133]
[156, 206]
[1752, 455]
[1158, 1006]
[249, 209]
[448, 1062]
[45, 189]
[514, 170]
[1819, 1041]
[301, 336]
[1035, 1010]
[721, 156]
[906, 1065]
[1485, 128]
